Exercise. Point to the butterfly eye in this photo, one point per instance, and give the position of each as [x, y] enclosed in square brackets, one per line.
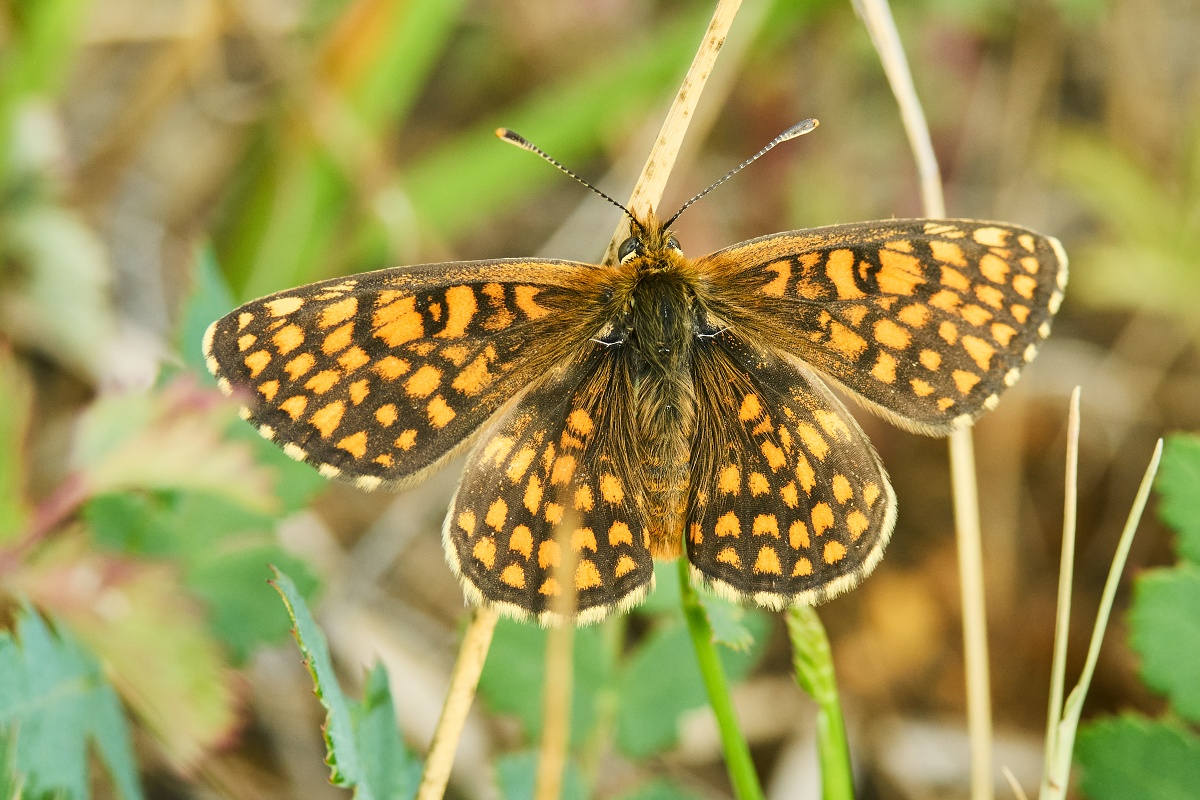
[673, 243]
[628, 248]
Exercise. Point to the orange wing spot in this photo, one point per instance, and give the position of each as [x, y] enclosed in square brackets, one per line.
[355, 444]
[514, 576]
[980, 351]
[1020, 313]
[456, 354]
[583, 499]
[834, 552]
[846, 341]
[245, 341]
[766, 525]
[624, 566]
[533, 494]
[870, 494]
[898, 273]
[327, 418]
[750, 409]
[1024, 285]
[994, 268]
[611, 490]
[485, 551]
[268, 390]
[547, 455]
[283, 306]
[803, 567]
[767, 561]
[524, 296]
[990, 295]
[564, 469]
[854, 314]
[1030, 265]
[435, 311]
[257, 361]
[948, 252]
[954, 279]
[1003, 333]
[931, 360]
[903, 245]
[946, 300]
[943, 229]
[423, 382]
[822, 518]
[619, 533]
[991, 237]
[842, 490]
[783, 274]
[294, 406]
[466, 521]
[550, 588]
[790, 495]
[785, 438]
[948, 332]
[554, 513]
[920, 388]
[976, 315]
[359, 391]
[244, 319]
[406, 439]
[885, 368]
[323, 381]
[798, 535]
[549, 554]
[944, 404]
[398, 322]
[730, 480]
[805, 474]
[831, 423]
[728, 525]
[580, 422]
[440, 414]
[460, 307]
[729, 556]
[857, 522]
[839, 268]
[813, 441]
[497, 513]
[915, 315]
[353, 358]
[338, 312]
[338, 340]
[586, 574]
[385, 415]
[1026, 241]
[519, 464]
[965, 381]
[474, 377]
[774, 456]
[391, 367]
[758, 484]
[695, 535]
[583, 539]
[384, 460]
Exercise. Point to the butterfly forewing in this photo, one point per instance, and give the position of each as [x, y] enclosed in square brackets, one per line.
[378, 377]
[928, 321]
[789, 502]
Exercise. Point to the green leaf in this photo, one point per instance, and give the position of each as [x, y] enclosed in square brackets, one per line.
[516, 775]
[1165, 629]
[391, 770]
[514, 672]
[14, 425]
[53, 692]
[1179, 487]
[1132, 757]
[660, 790]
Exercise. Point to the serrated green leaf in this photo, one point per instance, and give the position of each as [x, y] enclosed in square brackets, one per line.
[54, 695]
[1165, 630]
[1129, 757]
[513, 675]
[516, 775]
[1179, 488]
[391, 770]
[660, 790]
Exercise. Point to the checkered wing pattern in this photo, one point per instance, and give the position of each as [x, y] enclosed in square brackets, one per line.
[789, 502]
[928, 321]
[557, 458]
[378, 377]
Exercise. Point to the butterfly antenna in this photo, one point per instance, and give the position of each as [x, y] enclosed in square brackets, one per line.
[512, 137]
[799, 129]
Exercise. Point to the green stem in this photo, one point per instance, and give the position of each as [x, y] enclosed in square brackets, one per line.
[737, 752]
[813, 661]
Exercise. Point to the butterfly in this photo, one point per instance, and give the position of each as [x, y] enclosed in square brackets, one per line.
[664, 406]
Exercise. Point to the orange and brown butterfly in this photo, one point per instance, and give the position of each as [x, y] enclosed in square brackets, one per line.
[661, 406]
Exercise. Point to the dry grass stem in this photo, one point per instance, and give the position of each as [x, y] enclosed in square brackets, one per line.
[556, 693]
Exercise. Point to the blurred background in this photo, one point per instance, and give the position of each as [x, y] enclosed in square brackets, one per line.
[162, 162]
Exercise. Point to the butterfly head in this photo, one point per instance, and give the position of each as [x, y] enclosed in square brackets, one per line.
[650, 247]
